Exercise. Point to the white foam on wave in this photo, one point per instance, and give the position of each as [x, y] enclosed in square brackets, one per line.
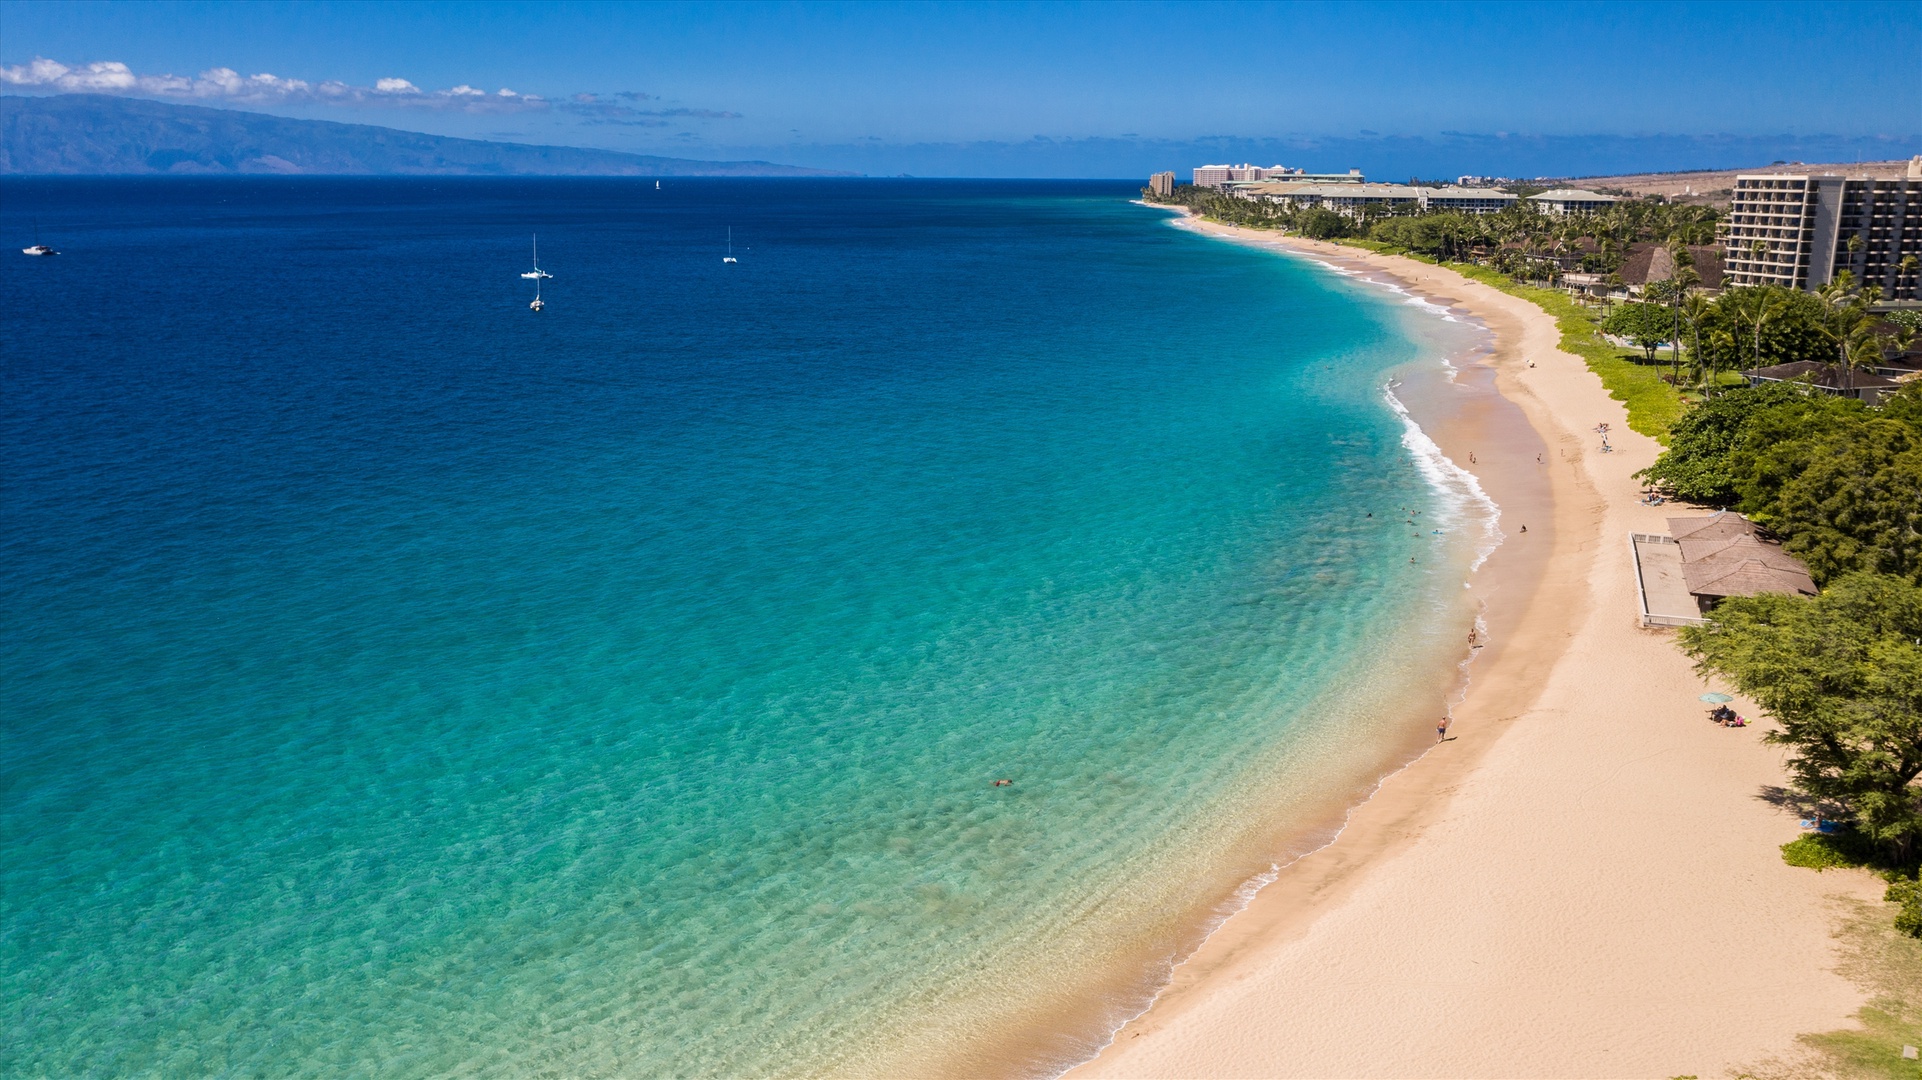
[1440, 311]
[1463, 502]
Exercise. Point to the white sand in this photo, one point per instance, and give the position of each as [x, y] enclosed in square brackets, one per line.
[1584, 883]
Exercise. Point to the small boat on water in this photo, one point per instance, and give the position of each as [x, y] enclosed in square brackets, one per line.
[537, 305]
[537, 273]
[38, 248]
[730, 246]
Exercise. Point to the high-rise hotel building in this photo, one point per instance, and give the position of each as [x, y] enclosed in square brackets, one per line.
[1801, 231]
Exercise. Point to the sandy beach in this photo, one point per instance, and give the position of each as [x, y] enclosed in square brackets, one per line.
[1583, 880]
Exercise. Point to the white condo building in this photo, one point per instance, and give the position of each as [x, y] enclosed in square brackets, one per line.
[1352, 198]
[1564, 201]
[1216, 176]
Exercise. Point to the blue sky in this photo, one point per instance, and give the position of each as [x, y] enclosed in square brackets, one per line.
[1040, 89]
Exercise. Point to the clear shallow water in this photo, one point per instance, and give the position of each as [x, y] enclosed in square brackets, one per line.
[401, 682]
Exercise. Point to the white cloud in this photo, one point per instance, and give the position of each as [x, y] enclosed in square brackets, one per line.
[227, 84]
[224, 83]
[105, 75]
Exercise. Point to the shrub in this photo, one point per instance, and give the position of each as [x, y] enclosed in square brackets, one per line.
[1819, 851]
[1908, 893]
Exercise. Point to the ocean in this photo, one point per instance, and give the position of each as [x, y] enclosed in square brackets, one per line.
[400, 681]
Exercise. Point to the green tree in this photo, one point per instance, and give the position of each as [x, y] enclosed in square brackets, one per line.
[1700, 462]
[1316, 223]
[1646, 325]
[1766, 325]
[1841, 483]
[1842, 675]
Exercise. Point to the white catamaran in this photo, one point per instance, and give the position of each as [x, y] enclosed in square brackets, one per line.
[730, 246]
[537, 273]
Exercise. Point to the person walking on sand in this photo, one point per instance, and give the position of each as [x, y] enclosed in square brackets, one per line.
[1441, 729]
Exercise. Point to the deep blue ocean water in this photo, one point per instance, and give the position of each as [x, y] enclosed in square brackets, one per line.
[401, 682]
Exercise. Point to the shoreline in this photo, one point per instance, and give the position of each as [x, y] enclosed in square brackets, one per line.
[1381, 953]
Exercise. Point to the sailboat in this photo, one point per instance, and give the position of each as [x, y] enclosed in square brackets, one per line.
[730, 246]
[537, 273]
[38, 248]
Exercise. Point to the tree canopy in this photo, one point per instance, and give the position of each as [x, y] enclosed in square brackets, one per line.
[1842, 674]
[1648, 326]
[1840, 482]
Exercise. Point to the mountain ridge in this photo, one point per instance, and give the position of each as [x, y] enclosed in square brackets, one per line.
[103, 135]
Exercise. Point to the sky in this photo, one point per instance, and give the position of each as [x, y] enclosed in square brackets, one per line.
[1429, 89]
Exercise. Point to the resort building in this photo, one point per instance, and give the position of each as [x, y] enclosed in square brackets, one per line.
[1564, 201]
[1353, 198]
[1220, 176]
[1214, 176]
[1800, 231]
[1162, 184]
[1341, 198]
[1468, 200]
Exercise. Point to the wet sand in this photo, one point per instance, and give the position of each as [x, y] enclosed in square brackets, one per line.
[1583, 880]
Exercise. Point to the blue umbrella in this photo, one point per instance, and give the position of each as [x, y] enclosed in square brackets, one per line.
[1716, 699]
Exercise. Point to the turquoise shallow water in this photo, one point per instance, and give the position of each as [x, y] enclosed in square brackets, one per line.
[402, 683]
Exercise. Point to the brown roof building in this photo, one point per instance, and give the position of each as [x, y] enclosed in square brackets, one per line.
[1827, 378]
[1649, 263]
[1726, 555]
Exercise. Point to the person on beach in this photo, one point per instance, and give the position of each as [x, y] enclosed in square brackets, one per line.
[1441, 730]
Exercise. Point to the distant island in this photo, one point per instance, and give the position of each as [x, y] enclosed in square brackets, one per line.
[95, 134]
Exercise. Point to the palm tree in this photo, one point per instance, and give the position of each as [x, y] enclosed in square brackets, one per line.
[1765, 313]
[1684, 277]
[1863, 349]
[1845, 317]
[1694, 310]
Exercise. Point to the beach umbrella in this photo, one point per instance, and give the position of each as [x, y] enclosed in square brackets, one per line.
[1716, 699]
